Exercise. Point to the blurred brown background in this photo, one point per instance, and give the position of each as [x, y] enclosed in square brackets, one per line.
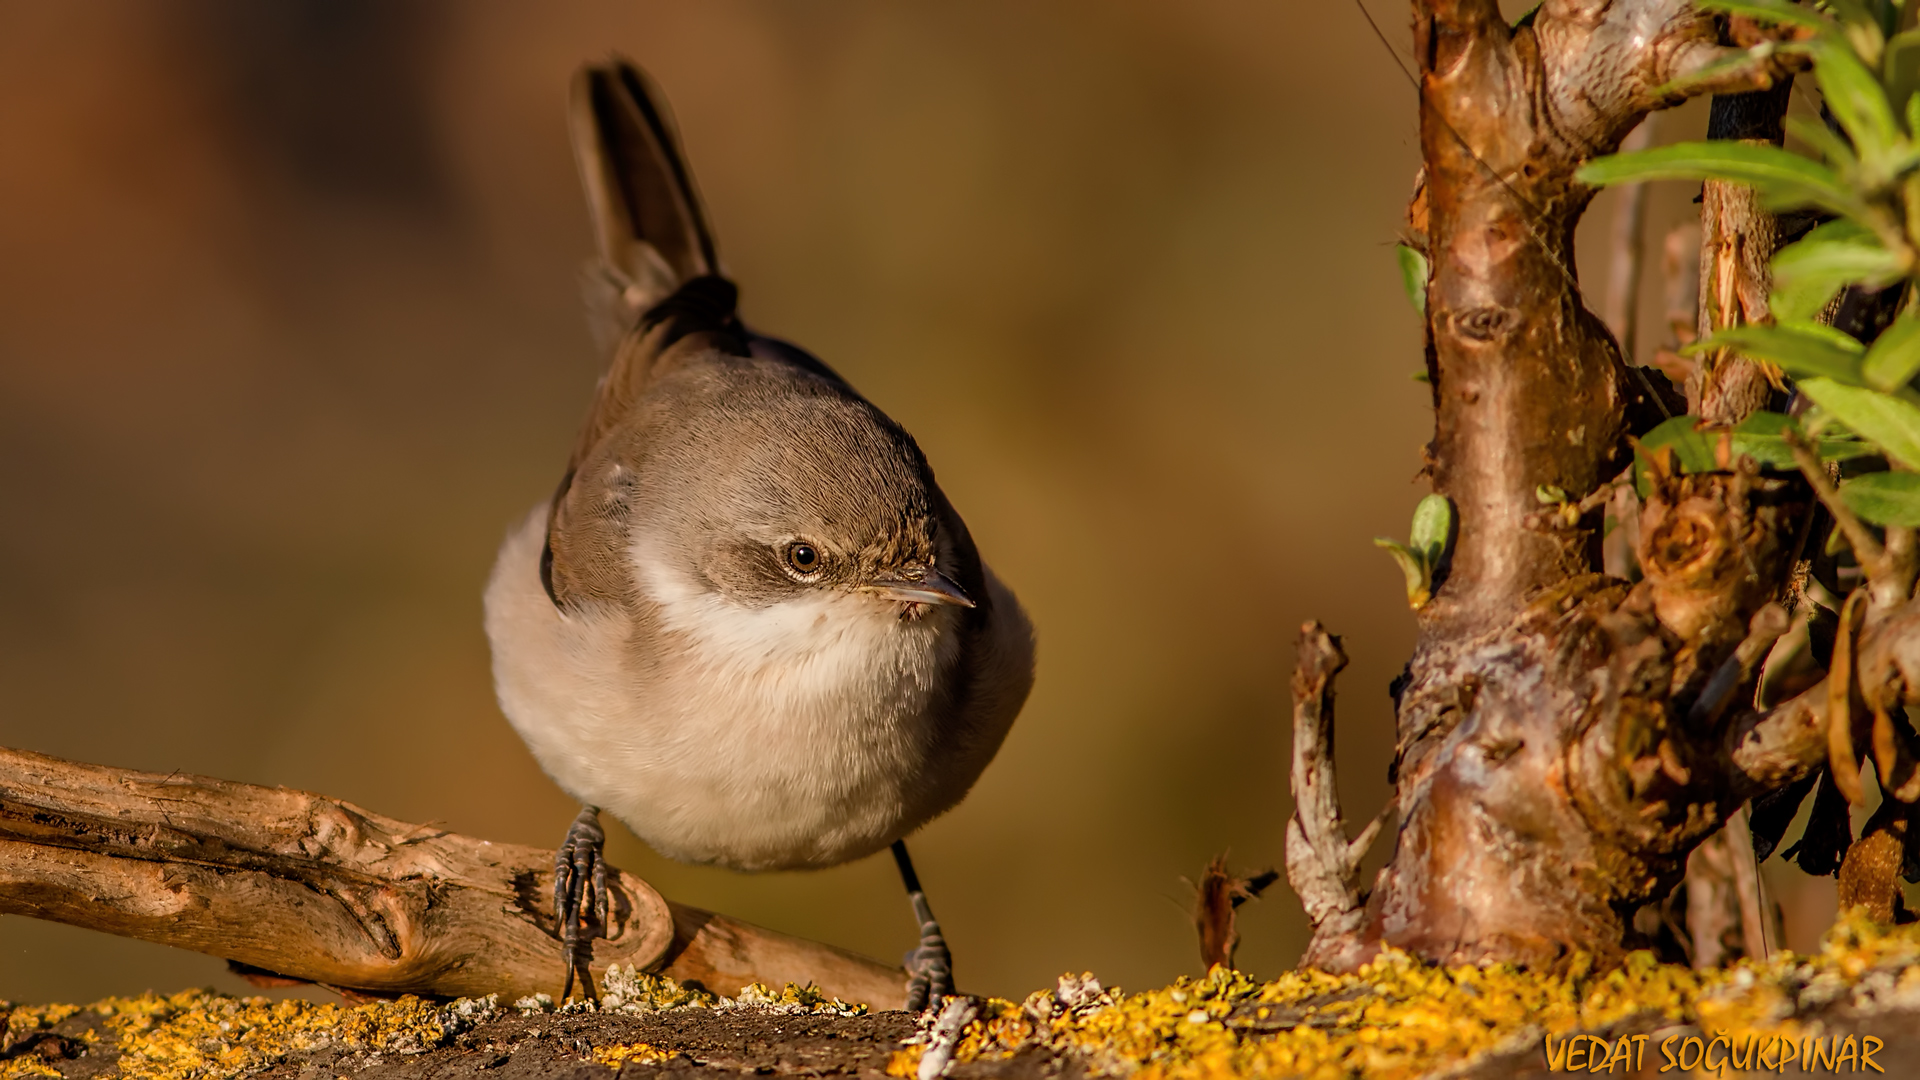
[289, 335]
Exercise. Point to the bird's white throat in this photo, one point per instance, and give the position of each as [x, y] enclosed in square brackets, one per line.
[822, 643]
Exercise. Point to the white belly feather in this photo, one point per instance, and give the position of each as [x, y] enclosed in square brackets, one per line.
[787, 736]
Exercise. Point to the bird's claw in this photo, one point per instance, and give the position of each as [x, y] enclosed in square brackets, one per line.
[580, 896]
[930, 965]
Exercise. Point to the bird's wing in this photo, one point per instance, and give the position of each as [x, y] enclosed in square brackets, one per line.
[655, 284]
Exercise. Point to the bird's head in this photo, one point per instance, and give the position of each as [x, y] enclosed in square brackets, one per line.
[809, 492]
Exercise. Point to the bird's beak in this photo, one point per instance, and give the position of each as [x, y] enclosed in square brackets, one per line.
[930, 587]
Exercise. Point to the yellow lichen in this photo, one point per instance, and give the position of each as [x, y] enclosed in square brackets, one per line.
[633, 990]
[198, 1035]
[1397, 1017]
[792, 998]
[904, 1061]
[619, 1054]
[21, 1022]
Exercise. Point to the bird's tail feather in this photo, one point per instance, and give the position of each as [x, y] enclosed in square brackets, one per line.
[647, 220]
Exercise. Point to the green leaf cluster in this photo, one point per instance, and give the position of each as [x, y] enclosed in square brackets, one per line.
[1862, 401]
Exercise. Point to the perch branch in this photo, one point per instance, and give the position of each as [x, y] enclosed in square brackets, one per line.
[319, 890]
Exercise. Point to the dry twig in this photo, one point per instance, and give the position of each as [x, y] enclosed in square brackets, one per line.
[1322, 864]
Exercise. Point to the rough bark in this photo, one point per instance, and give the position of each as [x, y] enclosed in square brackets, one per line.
[319, 890]
[1562, 734]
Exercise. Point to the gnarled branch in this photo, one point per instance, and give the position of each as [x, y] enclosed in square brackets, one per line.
[322, 891]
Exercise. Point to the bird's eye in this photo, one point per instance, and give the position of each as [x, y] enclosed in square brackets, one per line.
[804, 558]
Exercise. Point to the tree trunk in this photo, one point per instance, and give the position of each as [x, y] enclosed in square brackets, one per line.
[1565, 738]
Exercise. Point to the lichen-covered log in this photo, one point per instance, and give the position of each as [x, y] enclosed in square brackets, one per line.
[319, 890]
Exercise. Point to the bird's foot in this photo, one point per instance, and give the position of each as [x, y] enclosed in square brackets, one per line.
[580, 896]
[929, 966]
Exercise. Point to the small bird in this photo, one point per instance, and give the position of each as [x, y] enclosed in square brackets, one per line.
[748, 624]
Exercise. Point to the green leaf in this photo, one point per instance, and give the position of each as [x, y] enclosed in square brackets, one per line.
[1419, 588]
[1762, 437]
[1836, 542]
[1832, 148]
[1783, 179]
[1857, 100]
[1894, 358]
[1841, 248]
[1862, 27]
[1432, 524]
[1805, 298]
[1887, 421]
[1839, 253]
[1413, 276]
[1803, 350]
[1782, 12]
[1901, 71]
[1833, 335]
[1888, 498]
[1692, 448]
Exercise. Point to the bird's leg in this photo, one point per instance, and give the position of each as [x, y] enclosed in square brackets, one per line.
[930, 965]
[580, 895]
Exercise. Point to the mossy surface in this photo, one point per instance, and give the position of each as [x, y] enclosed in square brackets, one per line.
[1395, 1018]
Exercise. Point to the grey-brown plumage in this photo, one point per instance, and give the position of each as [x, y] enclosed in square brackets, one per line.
[749, 623]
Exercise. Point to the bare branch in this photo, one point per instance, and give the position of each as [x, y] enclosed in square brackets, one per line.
[1623, 267]
[1740, 669]
[1323, 866]
[322, 891]
[1698, 67]
[1746, 881]
[1773, 748]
